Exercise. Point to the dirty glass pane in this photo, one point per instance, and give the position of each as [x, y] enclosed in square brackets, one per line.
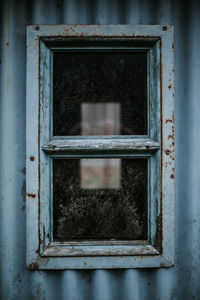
[98, 93]
[100, 199]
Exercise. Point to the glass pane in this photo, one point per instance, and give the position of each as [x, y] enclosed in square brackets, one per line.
[100, 199]
[98, 93]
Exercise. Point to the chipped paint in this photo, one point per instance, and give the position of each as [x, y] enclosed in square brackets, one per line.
[31, 195]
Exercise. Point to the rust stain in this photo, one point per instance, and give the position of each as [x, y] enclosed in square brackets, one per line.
[168, 121]
[170, 152]
[32, 158]
[172, 176]
[70, 30]
[167, 152]
[33, 266]
[172, 138]
[82, 34]
[173, 117]
[164, 28]
[169, 86]
[163, 265]
[31, 195]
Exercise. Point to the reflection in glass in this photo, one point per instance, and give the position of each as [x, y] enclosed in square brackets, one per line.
[100, 199]
[100, 173]
[100, 119]
[104, 86]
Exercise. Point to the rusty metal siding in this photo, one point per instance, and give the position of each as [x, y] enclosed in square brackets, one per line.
[179, 282]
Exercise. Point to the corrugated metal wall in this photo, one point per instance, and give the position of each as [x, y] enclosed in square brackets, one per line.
[180, 282]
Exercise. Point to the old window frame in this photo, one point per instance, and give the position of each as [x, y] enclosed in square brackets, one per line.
[41, 147]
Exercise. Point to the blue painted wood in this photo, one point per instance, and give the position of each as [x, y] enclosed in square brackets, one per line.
[157, 212]
[99, 144]
[45, 133]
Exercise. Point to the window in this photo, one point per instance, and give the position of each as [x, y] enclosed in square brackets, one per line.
[100, 150]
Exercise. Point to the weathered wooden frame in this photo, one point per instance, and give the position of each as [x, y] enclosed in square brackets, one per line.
[157, 147]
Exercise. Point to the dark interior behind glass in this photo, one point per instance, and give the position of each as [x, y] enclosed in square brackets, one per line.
[100, 93]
